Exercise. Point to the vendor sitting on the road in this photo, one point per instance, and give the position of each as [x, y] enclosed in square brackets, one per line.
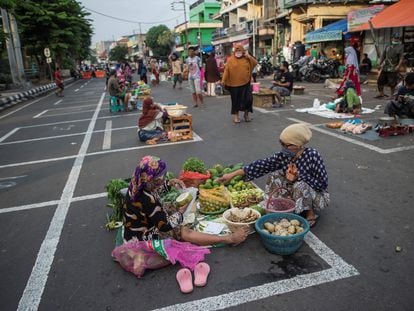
[350, 101]
[403, 103]
[283, 84]
[145, 218]
[308, 186]
[150, 129]
[114, 89]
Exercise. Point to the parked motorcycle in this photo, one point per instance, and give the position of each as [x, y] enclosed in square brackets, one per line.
[265, 67]
[298, 68]
[321, 70]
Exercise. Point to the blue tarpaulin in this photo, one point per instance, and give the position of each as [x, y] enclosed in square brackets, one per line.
[208, 49]
[331, 32]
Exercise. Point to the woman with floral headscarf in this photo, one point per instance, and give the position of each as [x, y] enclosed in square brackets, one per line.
[145, 218]
[236, 78]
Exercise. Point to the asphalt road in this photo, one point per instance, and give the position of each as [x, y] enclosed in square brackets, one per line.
[55, 252]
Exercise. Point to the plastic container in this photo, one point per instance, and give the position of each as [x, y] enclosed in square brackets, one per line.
[235, 225]
[279, 204]
[256, 87]
[281, 245]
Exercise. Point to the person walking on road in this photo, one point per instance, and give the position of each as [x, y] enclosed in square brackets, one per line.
[176, 70]
[236, 78]
[142, 71]
[59, 82]
[212, 74]
[351, 72]
[390, 63]
[193, 63]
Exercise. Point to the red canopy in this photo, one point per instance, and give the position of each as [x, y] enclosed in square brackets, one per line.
[400, 14]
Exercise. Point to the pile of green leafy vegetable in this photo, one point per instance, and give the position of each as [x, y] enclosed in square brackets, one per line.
[116, 201]
[170, 196]
[194, 164]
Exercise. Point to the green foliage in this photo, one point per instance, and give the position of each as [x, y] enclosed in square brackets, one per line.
[60, 25]
[159, 39]
[118, 53]
[194, 164]
[115, 198]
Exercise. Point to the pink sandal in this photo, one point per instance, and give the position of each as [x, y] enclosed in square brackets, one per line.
[185, 280]
[201, 272]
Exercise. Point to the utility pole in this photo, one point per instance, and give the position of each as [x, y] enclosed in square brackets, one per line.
[17, 48]
[9, 45]
[185, 20]
[254, 28]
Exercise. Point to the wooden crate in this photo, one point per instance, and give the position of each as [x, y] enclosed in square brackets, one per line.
[263, 100]
[181, 128]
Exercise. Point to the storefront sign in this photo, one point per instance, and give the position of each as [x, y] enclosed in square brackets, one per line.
[359, 17]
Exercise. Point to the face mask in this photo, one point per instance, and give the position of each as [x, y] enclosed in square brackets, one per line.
[238, 54]
[288, 152]
[395, 42]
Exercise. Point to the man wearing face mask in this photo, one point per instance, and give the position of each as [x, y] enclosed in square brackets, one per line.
[390, 63]
[299, 169]
[283, 84]
[236, 78]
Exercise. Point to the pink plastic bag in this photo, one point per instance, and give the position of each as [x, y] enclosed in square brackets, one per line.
[137, 256]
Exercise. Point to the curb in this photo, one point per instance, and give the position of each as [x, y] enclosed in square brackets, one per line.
[13, 100]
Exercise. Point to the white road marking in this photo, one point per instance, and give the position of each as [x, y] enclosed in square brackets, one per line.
[27, 105]
[61, 136]
[262, 110]
[196, 138]
[50, 203]
[39, 114]
[76, 90]
[58, 102]
[73, 107]
[13, 177]
[339, 270]
[32, 294]
[81, 120]
[354, 141]
[64, 114]
[107, 136]
[3, 138]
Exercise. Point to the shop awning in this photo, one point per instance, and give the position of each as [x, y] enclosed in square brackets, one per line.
[331, 32]
[208, 49]
[397, 15]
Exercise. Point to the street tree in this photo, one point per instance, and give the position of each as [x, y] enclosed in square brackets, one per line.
[60, 25]
[118, 53]
[159, 39]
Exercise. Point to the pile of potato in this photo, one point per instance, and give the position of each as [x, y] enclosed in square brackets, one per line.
[283, 227]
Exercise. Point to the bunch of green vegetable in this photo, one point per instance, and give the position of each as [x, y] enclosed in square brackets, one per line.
[170, 196]
[194, 164]
[116, 200]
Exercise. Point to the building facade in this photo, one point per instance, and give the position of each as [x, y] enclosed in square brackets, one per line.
[200, 27]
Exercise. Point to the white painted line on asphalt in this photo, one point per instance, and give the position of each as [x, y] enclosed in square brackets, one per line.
[50, 203]
[39, 114]
[61, 136]
[27, 105]
[33, 291]
[3, 138]
[196, 138]
[82, 86]
[339, 270]
[107, 136]
[262, 110]
[81, 120]
[354, 141]
[66, 113]
[12, 177]
[76, 90]
[73, 107]
[58, 102]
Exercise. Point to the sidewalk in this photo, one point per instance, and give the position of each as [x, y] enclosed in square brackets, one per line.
[9, 99]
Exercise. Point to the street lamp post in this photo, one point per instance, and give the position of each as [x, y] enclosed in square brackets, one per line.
[254, 28]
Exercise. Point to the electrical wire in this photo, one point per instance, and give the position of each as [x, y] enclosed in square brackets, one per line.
[130, 21]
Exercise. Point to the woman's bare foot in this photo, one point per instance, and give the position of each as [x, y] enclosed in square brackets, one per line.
[238, 236]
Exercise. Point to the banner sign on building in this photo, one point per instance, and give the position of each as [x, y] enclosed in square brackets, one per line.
[359, 17]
